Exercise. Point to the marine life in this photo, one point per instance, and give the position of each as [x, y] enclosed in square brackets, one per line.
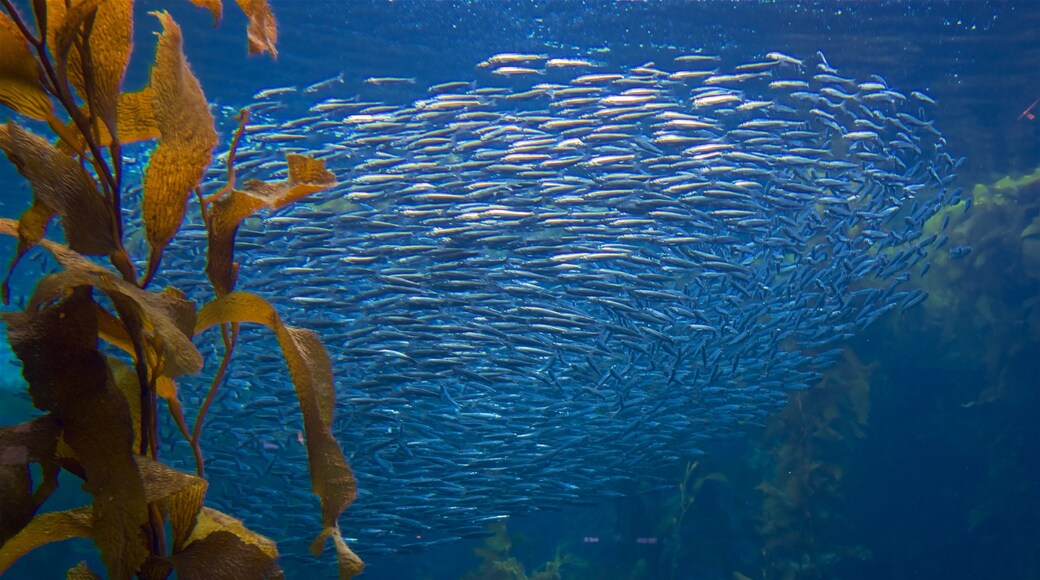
[531, 300]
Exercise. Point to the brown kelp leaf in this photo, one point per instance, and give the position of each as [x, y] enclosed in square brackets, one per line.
[186, 143]
[110, 43]
[125, 380]
[262, 32]
[166, 388]
[179, 309]
[177, 494]
[67, 376]
[60, 185]
[60, 182]
[65, 25]
[215, 7]
[220, 546]
[20, 445]
[173, 354]
[112, 331]
[331, 477]
[45, 529]
[222, 555]
[210, 521]
[20, 87]
[134, 116]
[348, 563]
[31, 228]
[81, 572]
[164, 313]
[306, 176]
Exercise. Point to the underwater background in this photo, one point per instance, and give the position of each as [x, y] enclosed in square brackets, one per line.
[902, 445]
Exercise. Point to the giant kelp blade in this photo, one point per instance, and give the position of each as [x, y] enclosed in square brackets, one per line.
[20, 87]
[60, 186]
[223, 556]
[60, 182]
[348, 563]
[215, 7]
[173, 353]
[16, 489]
[135, 119]
[262, 31]
[211, 521]
[220, 547]
[32, 226]
[166, 313]
[67, 376]
[306, 176]
[81, 572]
[45, 529]
[125, 380]
[331, 478]
[178, 496]
[20, 445]
[186, 143]
[66, 24]
[110, 44]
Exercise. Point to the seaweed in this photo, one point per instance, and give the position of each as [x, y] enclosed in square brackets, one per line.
[99, 420]
[498, 562]
[802, 528]
[689, 489]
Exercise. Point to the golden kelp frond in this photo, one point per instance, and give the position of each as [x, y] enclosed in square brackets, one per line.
[306, 176]
[166, 388]
[186, 143]
[221, 556]
[81, 572]
[33, 441]
[179, 309]
[60, 186]
[20, 87]
[348, 563]
[220, 548]
[32, 226]
[110, 44]
[178, 496]
[175, 355]
[67, 376]
[164, 313]
[263, 31]
[215, 7]
[134, 116]
[331, 478]
[211, 521]
[45, 529]
[65, 24]
[125, 380]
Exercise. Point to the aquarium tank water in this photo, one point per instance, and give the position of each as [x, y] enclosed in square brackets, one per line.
[610, 289]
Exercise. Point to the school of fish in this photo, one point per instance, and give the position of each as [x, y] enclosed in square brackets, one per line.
[555, 279]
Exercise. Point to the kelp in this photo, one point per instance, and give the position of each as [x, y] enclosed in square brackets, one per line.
[804, 536]
[147, 519]
[689, 489]
[497, 562]
[186, 142]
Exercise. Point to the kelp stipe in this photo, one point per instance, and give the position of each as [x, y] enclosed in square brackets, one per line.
[100, 411]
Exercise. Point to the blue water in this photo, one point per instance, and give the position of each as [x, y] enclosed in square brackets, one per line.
[940, 482]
